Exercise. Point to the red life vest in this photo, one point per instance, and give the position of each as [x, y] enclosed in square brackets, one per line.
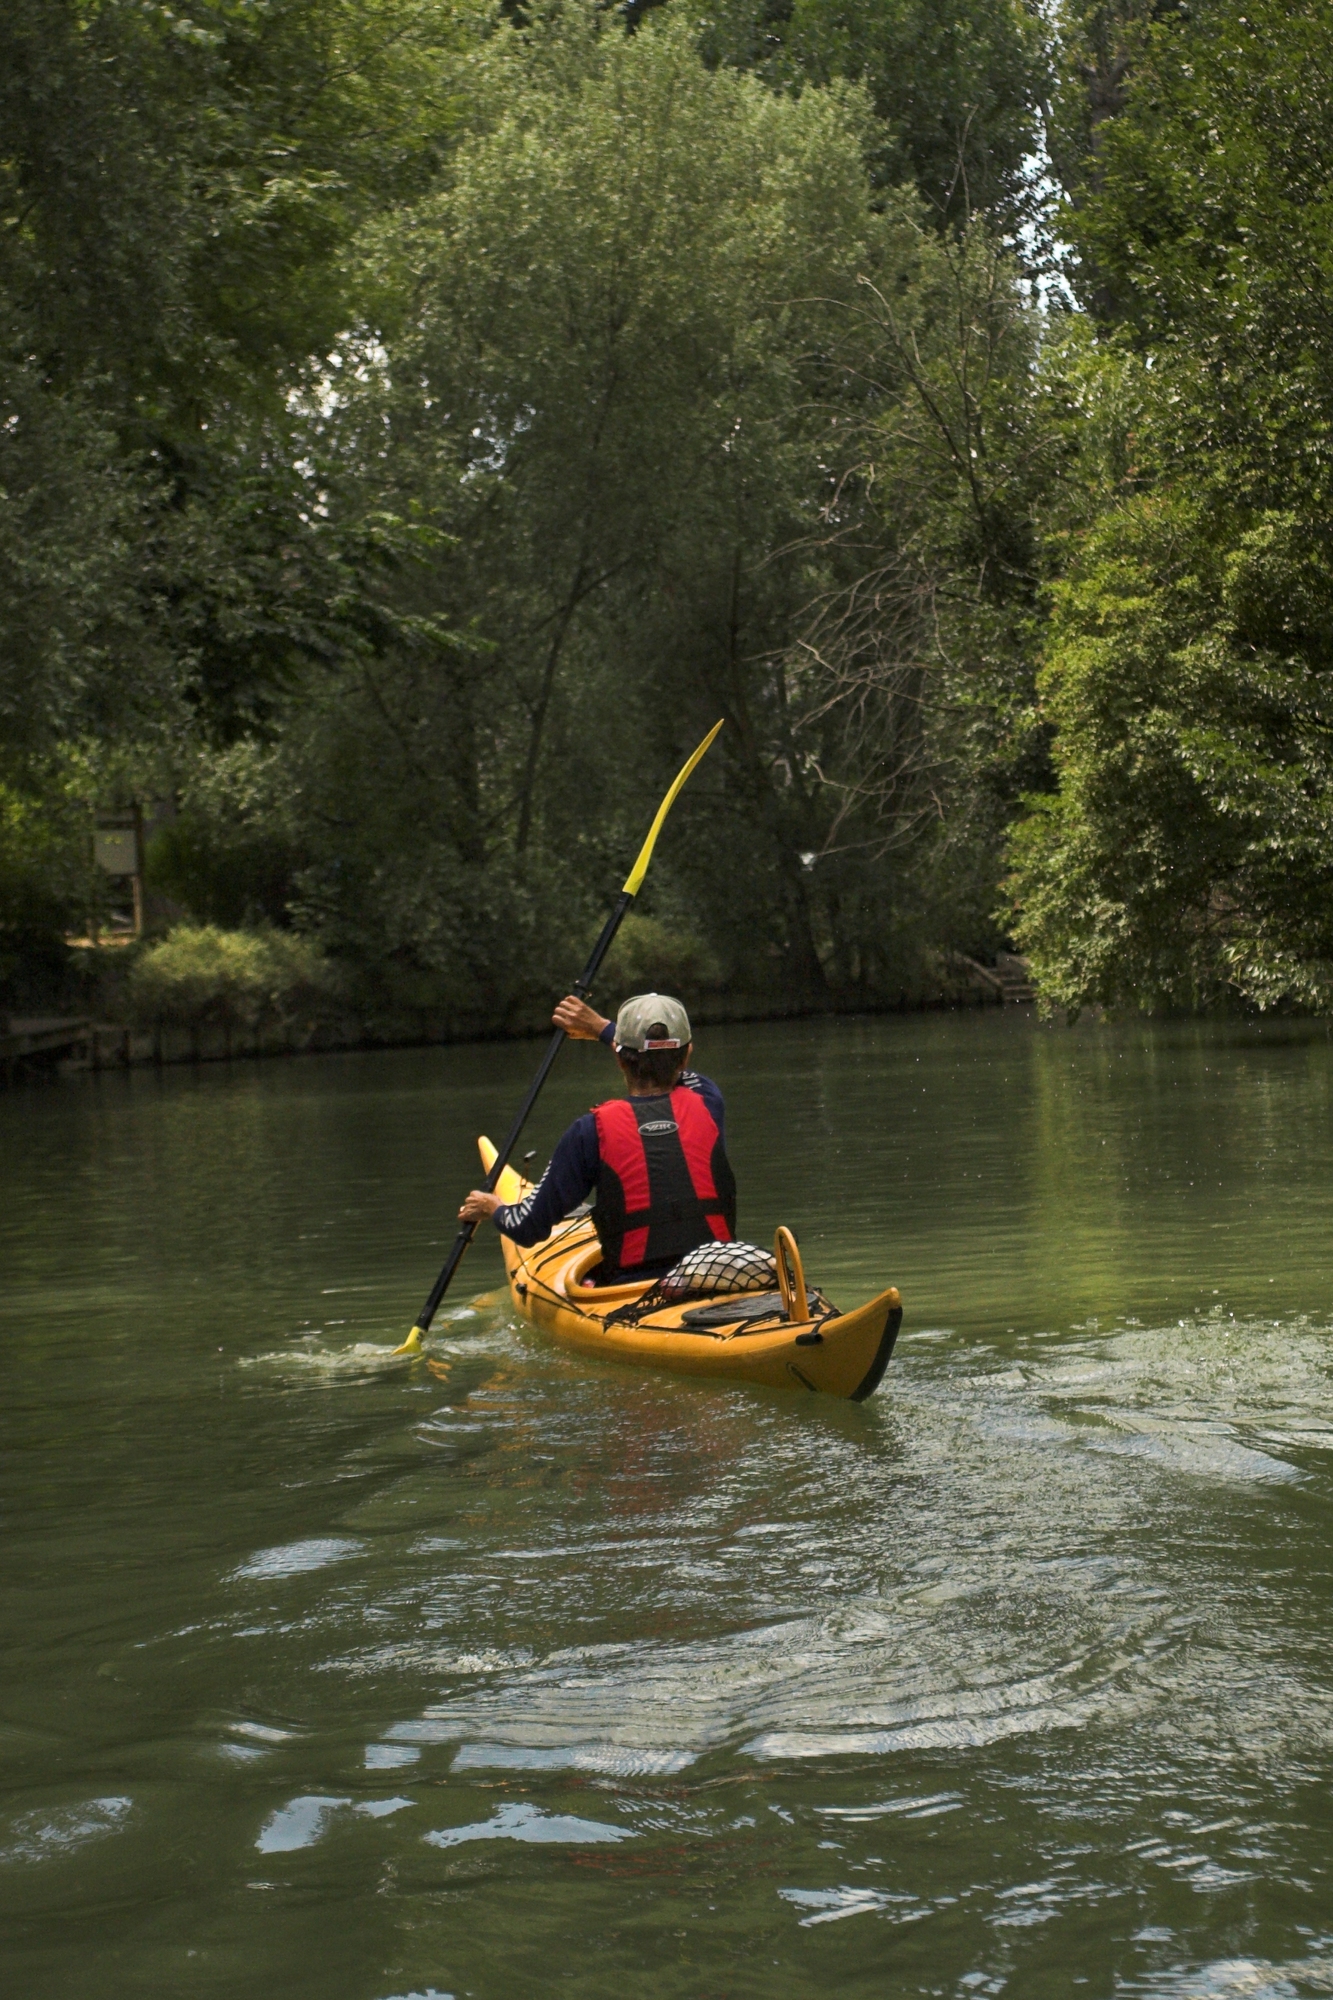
[664, 1184]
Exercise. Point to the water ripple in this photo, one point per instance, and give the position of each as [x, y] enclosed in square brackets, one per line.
[529, 1823]
[42, 1836]
[295, 1558]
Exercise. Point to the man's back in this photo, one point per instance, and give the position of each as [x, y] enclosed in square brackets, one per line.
[653, 1164]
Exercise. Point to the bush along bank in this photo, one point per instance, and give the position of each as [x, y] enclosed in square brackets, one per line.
[206, 994]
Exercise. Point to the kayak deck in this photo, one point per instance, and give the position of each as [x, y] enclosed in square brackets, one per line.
[741, 1336]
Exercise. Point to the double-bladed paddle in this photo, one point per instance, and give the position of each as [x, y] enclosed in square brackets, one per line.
[582, 986]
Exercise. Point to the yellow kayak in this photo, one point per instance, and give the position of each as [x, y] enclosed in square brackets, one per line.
[790, 1339]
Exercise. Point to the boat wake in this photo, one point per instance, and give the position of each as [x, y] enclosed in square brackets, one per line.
[315, 1355]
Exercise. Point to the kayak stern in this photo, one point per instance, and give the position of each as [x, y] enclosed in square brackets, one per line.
[836, 1354]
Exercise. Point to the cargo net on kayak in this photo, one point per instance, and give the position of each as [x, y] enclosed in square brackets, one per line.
[716, 1271]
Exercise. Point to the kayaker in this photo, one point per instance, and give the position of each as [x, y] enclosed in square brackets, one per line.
[653, 1163]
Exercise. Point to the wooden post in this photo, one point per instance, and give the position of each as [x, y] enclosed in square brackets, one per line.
[136, 883]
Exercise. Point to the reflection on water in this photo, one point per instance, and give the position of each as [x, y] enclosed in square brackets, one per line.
[340, 1675]
[38, 1836]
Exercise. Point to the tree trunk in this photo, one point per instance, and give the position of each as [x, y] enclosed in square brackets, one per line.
[562, 626]
[804, 963]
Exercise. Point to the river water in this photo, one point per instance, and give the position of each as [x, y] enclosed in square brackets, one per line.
[511, 1674]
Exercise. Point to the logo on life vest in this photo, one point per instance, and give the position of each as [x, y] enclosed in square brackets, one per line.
[660, 1125]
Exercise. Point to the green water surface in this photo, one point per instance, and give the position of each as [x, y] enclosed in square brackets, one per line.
[328, 1674]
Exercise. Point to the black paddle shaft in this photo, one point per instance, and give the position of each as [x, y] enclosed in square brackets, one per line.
[582, 986]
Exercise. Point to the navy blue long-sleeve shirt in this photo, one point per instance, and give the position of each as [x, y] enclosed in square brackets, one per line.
[571, 1177]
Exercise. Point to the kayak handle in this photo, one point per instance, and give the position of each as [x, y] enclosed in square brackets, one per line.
[791, 1274]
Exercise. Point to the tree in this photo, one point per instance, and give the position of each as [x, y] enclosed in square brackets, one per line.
[1187, 857]
[178, 200]
[428, 419]
[957, 85]
[912, 676]
[609, 355]
[686, 464]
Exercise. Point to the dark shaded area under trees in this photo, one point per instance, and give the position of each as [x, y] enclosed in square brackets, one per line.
[422, 420]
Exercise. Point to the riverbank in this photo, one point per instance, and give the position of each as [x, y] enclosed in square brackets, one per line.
[50, 1047]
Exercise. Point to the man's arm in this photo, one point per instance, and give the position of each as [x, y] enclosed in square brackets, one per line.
[568, 1180]
[581, 1023]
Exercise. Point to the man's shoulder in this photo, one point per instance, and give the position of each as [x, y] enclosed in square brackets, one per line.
[702, 1086]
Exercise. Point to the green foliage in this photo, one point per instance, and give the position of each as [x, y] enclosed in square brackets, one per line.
[203, 975]
[44, 869]
[181, 190]
[423, 421]
[222, 873]
[178, 199]
[1185, 860]
[75, 649]
[1098, 50]
[650, 956]
[617, 298]
[1202, 215]
[179, 196]
[698, 454]
[956, 84]
[911, 686]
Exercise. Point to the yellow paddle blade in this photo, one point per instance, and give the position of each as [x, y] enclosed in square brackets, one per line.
[634, 880]
[412, 1345]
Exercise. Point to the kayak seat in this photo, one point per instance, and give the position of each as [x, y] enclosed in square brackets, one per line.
[743, 1308]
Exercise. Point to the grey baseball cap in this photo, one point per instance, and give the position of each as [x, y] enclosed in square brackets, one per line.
[652, 1021]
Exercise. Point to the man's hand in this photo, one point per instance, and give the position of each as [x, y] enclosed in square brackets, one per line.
[580, 1022]
[479, 1206]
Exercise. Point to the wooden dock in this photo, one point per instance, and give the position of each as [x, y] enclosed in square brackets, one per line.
[1016, 979]
[1008, 981]
[47, 1041]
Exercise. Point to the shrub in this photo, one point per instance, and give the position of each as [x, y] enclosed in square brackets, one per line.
[650, 956]
[200, 974]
